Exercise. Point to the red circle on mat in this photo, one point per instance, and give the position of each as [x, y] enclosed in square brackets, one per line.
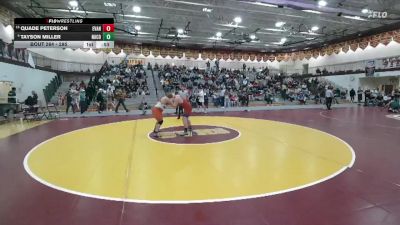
[202, 134]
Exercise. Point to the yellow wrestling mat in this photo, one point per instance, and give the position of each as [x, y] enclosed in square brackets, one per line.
[11, 128]
[119, 161]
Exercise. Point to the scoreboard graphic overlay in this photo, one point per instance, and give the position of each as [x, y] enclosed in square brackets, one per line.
[64, 33]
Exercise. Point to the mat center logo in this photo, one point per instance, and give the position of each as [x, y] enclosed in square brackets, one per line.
[202, 134]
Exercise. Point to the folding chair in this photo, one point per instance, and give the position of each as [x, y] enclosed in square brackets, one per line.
[53, 111]
[28, 114]
[42, 113]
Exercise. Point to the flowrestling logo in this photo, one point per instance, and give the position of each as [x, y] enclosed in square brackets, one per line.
[377, 14]
[202, 134]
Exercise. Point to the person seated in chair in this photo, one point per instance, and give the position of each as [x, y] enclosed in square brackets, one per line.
[12, 98]
[302, 98]
[12, 95]
[268, 97]
[31, 101]
[394, 105]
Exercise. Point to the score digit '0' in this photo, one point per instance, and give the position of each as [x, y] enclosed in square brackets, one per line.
[108, 27]
[108, 36]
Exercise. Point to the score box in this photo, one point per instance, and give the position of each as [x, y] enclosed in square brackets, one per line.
[108, 27]
[89, 44]
[108, 36]
[104, 44]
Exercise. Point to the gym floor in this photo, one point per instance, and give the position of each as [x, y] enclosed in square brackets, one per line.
[303, 166]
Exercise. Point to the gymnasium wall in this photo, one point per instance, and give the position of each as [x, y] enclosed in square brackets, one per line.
[346, 81]
[344, 61]
[69, 55]
[360, 80]
[373, 83]
[26, 79]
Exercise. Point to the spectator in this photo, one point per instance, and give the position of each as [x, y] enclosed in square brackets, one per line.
[82, 85]
[359, 94]
[120, 95]
[394, 105]
[100, 101]
[201, 95]
[12, 98]
[352, 94]
[110, 98]
[31, 101]
[12, 95]
[69, 99]
[82, 100]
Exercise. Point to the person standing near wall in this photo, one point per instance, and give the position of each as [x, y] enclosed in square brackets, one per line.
[201, 95]
[329, 97]
[352, 94]
[69, 100]
[12, 98]
[12, 95]
[82, 100]
[120, 95]
[359, 95]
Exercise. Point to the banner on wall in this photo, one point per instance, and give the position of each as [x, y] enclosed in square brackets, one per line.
[133, 62]
[345, 47]
[370, 68]
[392, 62]
[146, 51]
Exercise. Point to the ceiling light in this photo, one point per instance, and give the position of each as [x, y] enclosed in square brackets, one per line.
[274, 29]
[73, 3]
[139, 17]
[252, 36]
[365, 11]
[110, 4]
[354, 18]
[207, 10]
[312, 11]
[283, 40]
[217, 39]
[218, 34]
[136, 9]
[138, 27]
[231, 25]
[314, 28]
[310, 32]
[279, 24]
[263, 4]
[322, 3]
[180, 31]
[237, 19]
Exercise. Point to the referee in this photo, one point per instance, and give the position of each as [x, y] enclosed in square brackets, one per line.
[329, 97]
